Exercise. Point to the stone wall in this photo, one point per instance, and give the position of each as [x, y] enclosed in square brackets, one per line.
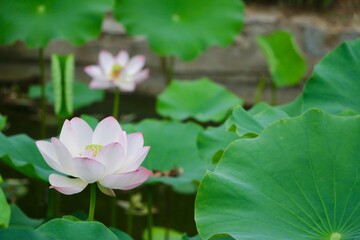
[238, 67]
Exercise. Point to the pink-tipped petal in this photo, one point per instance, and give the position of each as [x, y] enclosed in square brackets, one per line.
[108, 131]
[76, 135]
[133, 162]
[122, 58]
[106, 191]
[47, 151]
[106, 61]
[65, 185]
[64, 157]
[112, 156]
[135, 64]
[141, 76]
[88, 170]
[135, 141]
[98, 84]
[126, 181]
[94, 71]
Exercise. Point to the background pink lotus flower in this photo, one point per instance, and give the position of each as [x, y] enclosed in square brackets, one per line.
[106, 155]
[118, 71]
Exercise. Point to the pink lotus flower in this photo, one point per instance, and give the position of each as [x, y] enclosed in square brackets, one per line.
[119, 71]
[106, 155]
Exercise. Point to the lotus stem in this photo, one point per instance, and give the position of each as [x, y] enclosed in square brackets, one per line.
[116, 104]
[43, 96]
[171, 69]
[92, 202]
[149, 215]
[50, 203]
[130, 215]
[113, 211]
[163, 65]
[260, 89]
[274, 90]
[167, 67]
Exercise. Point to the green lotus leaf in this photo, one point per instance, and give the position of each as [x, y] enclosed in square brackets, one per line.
[83, 95]
[213, 141]
[38, 22]
[16, 233]
[200, 99]
[182, 28]
[20, 219]
[173, 156]
[61, 228]
[21, 153]
[121, 235]
[297, 180]
[251, 123]
[286, 64]
[217, 237]
[159, 233]
[335, 83]
[2, 122]
[4, 210]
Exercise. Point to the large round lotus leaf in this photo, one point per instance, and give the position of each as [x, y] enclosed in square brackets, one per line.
[299, 179]
[2, 122]
[251, 123]
[173, 155]
[4, 209]
[38, 22]
[200, 99]
[212, 142]
[61, 228]
[286, 64]
[182, 28]
[159, 233]
[21, 153]
[335, 82]
[20, 219]
[17, 233]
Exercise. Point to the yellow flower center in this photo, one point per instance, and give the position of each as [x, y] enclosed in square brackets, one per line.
[94, 147]
[115, 71]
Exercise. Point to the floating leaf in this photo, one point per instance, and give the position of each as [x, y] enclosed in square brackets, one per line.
[200, 99]
[21, 153]
[182, 28]
[20, 219]
[173, 156]
[38, 22]
[83, 95]
[213, 141]
[335, 82]
[297, 180]
[121, 235]
[286, 64]
[16, 233]
[217, 237]
[61, 228]
[2, 122]
[4, 209]
[159, 233]
[251, 123]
